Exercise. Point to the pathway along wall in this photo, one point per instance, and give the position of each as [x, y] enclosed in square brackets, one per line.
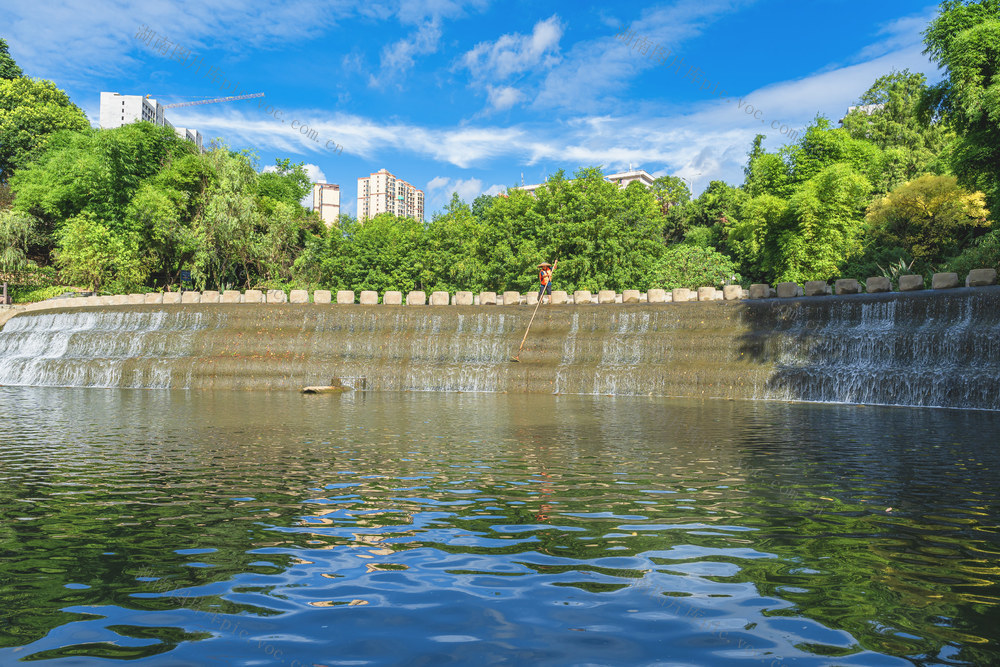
[931, 348]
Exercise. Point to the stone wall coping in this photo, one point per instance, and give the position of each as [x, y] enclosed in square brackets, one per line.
[729, 293]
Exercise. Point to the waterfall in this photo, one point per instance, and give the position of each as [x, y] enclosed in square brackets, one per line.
[934, 348]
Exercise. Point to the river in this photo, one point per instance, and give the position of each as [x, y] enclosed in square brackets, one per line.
[245, 528]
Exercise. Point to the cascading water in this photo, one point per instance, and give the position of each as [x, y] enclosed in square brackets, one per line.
[931, 349]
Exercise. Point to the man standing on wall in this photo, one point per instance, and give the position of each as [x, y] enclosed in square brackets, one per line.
[545, 278]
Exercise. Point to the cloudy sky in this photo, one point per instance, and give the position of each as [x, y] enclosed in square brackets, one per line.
[470, 96]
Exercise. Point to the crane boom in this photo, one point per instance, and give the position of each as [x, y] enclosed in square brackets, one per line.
[217, 99]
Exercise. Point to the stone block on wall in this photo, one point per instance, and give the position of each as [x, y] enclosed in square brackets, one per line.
[171, 297]
[847, 286]
[210, 296]
[531, 298]
[656, 295]
[154, 297]
[706, 294]
[298, 296]
[253, 296]
[439, 298]
[606, 296]
[276, 296]
[981, 278]
[911, 283]
[732, 292]
[559, 297]
[416, 298]
[760, 291]
[582, 296]
[816, 288]
[680, 294]
[231, 296]
[487, 298]
[944, 281]
[322, 296]
[789, 290]
[463, 299]
[511, 298]
[345, 297]
[369, 297]
[631, 296]
[191, 297]
[136, 299]
[877, 284]
[392, 298]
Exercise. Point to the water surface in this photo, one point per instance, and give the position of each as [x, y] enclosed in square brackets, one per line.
[190, 528]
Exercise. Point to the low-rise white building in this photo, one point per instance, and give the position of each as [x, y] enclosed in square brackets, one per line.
[118, 110]
[621, 179]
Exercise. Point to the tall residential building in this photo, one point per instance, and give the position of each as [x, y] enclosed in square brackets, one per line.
[381, 192]
[326, 202]
[118, 110]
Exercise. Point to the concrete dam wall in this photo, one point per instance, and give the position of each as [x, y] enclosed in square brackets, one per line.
[932, 348]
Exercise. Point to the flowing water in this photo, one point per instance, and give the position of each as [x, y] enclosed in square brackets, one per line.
[254, 528]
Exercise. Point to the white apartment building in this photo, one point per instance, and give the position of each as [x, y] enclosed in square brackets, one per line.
[118, 110]
[326, 202]
[382, 192]
[621, 179]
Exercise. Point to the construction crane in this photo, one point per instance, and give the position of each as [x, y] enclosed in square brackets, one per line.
[212, 101]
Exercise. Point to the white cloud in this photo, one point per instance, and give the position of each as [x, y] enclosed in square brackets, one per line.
[504, 97]
[440, 188]
[398, 57]
[514, 53]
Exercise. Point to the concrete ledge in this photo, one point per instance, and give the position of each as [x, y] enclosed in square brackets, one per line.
[369, 297]
[276, 296]
[154, 297]
[732, 293]
[981, 278]
[816, 288]
[911, 283]
[582, 296]
[511, 298]
[487, 298]
[416, 298]
[439, 298]
[135, 299]
[462, 299]
[252, 296]
[559, 297]
[789, 290]
[877, 284]
[210, 296]
[119, 300]
[298, 296]
[392, 298]
[944, 281]
[760, 291]
[847, 286]
[231, 296]
[322, 296]
[191, 297]
[345, 296]
[706, 294]
[631, 296]
[606, 296]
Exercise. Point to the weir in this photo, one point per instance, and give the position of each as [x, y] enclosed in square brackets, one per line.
[934, 348]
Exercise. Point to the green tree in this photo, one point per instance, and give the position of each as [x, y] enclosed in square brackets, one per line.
[90, 253]
[288, 183]
[19, 232]
[8, 68]
[449, 260]
[931, 217]
[693, 267]
[30, 111]
[898, 119]
[964, 39]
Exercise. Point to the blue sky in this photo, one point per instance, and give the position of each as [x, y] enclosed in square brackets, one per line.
[466, 96]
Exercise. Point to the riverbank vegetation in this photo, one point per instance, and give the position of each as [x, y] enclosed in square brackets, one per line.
[905, 184]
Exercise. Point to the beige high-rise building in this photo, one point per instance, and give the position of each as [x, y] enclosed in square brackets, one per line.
[326, 202]
[381, 192]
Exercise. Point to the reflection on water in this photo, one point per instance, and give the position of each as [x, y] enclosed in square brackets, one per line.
[219, 528]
